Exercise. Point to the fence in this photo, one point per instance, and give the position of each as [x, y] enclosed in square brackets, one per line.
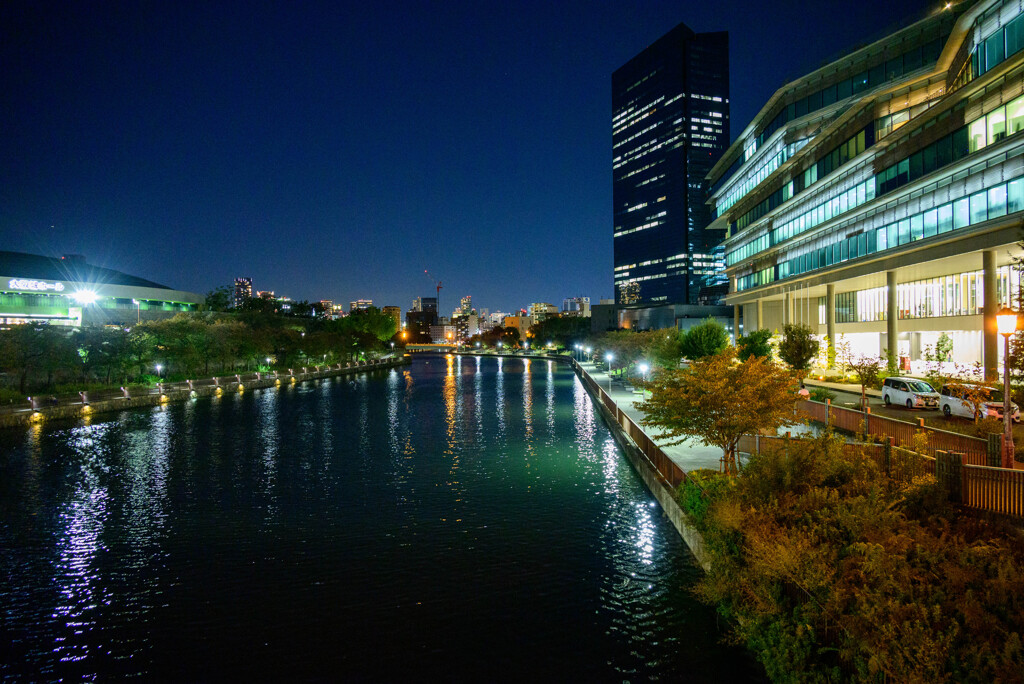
[974, 485]
[976, 451]
[669, 470]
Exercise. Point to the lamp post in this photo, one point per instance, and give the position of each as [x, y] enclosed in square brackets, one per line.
[643, 371]
[159, 368]
[608, 357]
[1006, 323]
[588, 352]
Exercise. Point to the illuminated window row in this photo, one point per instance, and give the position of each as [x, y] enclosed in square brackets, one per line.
[990, 203]
[757, 279]
[637, 134]
[978, 134]
[826, 211]
[958, 294]
[748, 250]
[645, 226]
[759, 175]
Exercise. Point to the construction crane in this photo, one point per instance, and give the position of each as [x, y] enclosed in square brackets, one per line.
[437, 284]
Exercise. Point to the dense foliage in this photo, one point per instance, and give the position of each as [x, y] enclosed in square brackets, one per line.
[718, 400]
[186, 345]
[756, 343]
[831, 571]
[705, 339]
[798, 346]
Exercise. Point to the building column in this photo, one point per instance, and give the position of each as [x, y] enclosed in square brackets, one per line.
[892, 315]
[830, 316]
[735, 323]
[990, 332]
[760, 315]
[787, 308]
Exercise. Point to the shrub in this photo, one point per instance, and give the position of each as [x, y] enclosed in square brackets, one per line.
[822, 393]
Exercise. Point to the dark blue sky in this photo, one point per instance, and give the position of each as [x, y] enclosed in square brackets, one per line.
[336, 150]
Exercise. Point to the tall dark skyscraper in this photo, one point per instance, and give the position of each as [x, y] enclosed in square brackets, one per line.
[670, 124]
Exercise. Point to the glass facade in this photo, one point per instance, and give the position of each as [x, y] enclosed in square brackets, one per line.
[959, 294]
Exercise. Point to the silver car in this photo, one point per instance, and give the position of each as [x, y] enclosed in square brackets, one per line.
[910, 393]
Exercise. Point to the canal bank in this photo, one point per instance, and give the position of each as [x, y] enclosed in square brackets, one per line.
[661, 474]
[175, 392]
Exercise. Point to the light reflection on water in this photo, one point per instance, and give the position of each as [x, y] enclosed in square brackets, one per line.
[419, 521]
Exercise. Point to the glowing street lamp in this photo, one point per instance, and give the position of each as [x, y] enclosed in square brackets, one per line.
[609, 357]
[159, 369]
[588, 352]
[1006, 324]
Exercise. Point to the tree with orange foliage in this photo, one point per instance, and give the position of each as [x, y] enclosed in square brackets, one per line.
[719, 400]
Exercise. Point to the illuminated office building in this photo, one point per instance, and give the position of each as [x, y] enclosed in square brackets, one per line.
[670, 124]
[879, 198]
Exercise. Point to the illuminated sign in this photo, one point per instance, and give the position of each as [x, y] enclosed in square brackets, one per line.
[35, 285]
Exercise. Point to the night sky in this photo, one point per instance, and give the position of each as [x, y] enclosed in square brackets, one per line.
[336, 150]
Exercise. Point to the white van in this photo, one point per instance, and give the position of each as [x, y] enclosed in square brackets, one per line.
[953, 403]
[910, 393]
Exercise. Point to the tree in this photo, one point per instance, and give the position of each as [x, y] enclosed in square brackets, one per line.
[218, 299]
[705, 339]
[754, 344]
[798, 346]
[867, 370]
[719, 401]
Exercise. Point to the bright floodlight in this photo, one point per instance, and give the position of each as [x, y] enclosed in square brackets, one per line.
[587, 350]
[84, 296]
[643, 368]
[608, 357]
[1006, 321]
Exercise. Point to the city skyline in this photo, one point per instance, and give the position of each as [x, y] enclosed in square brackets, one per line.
[339, 154]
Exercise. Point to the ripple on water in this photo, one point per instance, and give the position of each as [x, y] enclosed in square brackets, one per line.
[467, 518]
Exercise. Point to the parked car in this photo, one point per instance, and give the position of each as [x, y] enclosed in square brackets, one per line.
[953, 402]
[910, 393]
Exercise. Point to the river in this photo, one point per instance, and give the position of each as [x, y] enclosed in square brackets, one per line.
[462, 518]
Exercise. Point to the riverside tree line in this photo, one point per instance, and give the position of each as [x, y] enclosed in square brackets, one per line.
[189, 345]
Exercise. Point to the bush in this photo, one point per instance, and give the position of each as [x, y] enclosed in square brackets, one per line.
[697, 492]
[834, 572]
[822, 394]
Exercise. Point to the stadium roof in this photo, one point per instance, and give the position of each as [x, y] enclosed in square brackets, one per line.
[72, 267]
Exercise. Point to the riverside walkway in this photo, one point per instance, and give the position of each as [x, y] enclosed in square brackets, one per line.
[689, 455]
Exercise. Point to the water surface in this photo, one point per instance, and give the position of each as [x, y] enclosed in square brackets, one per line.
[465, 518]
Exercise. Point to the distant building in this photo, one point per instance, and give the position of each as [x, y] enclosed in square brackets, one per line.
[466, 304]
[541, 310]
[359, 304]
[243, 290]
[442, 333]
[521, 323]
[466, 326]
[71, 292]
[266, 294]
[576, 306]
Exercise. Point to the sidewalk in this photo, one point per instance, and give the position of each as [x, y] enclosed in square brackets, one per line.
[689, 455]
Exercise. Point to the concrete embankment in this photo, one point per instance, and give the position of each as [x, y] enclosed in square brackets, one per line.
[654, 480]
[78, 410]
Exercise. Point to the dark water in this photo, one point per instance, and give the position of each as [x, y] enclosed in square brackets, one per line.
[465, 519]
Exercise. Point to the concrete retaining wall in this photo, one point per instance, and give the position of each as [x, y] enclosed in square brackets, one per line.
[654, 481]
[77, 411]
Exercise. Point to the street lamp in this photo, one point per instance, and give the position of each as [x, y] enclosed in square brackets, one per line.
[159, 368]
[1006, 323]
[499, 347]
[608, 357]
[643, 371]
[588, 352]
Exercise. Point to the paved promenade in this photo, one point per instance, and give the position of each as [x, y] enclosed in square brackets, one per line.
[689, 455]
